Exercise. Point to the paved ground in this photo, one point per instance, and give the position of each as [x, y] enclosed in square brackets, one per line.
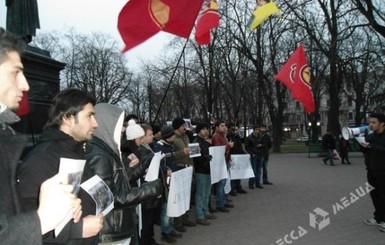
[279, 214]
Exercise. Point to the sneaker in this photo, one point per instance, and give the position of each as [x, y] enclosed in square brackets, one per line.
[242, 191]
[228, 205]
[371, 221]
[203, 222]
[325, 162]
[211, 210]
[180, 229]
[167, 238]
[189, 223]
[223, 210]
[210, 216]
[267, 183]
[174, 234]
[382, 226]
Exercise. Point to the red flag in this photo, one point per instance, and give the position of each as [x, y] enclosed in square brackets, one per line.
[24, 106]
[208, 19]
[183, 14]
[141, 19]
[295, 75]
[135, 23]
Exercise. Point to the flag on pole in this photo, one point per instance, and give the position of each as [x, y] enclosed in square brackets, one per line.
[135, 23]
[208, 19]
[295, 75]
[263, 11]
[141, 19]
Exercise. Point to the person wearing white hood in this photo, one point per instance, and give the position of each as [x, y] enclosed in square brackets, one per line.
[105, 159]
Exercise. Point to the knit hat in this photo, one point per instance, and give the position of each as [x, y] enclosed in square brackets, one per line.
[200, 126]
[134, 130]
[177, 122]
[166, 132]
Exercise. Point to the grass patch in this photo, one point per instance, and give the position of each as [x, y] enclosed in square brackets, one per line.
[294, 148]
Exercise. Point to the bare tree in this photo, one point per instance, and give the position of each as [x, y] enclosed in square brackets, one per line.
[94, 64]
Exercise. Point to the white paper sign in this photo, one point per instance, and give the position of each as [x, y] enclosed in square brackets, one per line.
[361, 140]
[101, 193]
[241, 167]
[218, 169]
[153, 169]
[73, 168]
[195, 150]
[178, 201]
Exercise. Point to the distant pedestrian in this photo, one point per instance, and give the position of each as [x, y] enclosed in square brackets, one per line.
[344, 151]
[329, 145]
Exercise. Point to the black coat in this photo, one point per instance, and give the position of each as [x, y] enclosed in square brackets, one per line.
[120, 222]
[15, 227]
[41, 164]
[202, 163]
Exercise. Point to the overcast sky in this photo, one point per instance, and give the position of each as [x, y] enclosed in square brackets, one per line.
[90, 16]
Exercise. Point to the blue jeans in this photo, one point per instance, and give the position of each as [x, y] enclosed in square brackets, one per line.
[256, 165]
[220, 193]
[166, 223]
[329, 156]
[202, 194]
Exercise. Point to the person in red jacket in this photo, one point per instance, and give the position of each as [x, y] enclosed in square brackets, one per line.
[218, 139]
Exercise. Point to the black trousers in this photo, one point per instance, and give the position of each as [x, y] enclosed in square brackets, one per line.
[377, 180]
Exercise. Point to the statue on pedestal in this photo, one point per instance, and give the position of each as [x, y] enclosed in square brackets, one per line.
[22, 18]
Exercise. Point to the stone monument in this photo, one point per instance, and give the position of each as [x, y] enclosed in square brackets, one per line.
[40, 69]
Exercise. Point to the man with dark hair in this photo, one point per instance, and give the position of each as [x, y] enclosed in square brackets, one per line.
[168, 165]
[71, 123]
[253, 146]
[329, 145]
[234, 136]
[202, 176]
[219, 139]
[55, 199]
[374, 149]
[266, 146]
[182, 160]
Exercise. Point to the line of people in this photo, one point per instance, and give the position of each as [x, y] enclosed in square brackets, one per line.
[34, 199]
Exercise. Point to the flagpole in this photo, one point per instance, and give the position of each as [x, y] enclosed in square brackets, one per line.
[169, 83]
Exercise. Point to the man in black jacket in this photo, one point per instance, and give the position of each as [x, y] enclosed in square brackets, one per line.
[202, 176]
[329, 144]
[253, 146]
[374, 149]
[55, 199]
[71, 122]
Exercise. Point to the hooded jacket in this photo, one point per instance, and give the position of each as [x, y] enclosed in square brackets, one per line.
[41, 164]
[104, 158]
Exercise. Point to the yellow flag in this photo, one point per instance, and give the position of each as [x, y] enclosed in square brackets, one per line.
[262, 13]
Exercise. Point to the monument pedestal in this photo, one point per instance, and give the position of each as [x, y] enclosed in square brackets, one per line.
[43, 75]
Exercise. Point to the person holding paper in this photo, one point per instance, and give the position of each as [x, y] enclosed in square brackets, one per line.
[374, 150]
[152, 207]
[183, 160]
[71, 123]
[105, 159]
[55, 198]
[219, 138]
[202, 176]
[167, 167]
